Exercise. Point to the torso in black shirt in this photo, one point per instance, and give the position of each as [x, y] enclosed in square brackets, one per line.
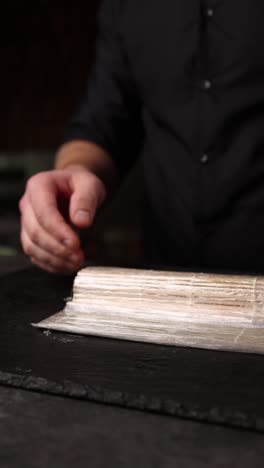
[181, 83]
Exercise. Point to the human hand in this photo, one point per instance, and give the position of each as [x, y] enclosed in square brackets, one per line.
[54, 205]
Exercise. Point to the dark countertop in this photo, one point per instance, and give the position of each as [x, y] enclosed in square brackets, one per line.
[39, 431]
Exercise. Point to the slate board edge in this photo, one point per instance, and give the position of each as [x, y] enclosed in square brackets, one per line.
[232, 419]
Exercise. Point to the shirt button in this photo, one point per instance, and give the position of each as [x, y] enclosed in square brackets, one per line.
[204, 159]
[207, 84]
[209, 12]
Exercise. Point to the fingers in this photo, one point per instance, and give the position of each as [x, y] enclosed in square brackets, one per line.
[51, 269]
[50, 262]
[33, 236]
[88, 193]
[46, 237]
[44, 250]
[35, 232]
[41, 194]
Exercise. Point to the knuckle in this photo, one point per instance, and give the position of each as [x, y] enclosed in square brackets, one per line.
[59, 252]
[27, 248]
[54, 249]
[42, 219]
[31, 183]
[35, 180]
[34, 235]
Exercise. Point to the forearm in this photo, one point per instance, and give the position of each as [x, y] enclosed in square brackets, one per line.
[91, 156]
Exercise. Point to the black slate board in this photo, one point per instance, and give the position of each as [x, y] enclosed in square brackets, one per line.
[44, 431]
[212, 386]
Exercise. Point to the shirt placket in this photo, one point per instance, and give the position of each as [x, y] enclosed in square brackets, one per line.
[205, 115]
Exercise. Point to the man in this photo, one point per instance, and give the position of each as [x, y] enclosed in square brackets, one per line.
[180, 83]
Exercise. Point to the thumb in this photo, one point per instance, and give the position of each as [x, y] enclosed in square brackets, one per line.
[88, 193]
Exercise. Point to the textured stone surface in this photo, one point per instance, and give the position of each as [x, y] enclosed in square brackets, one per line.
[39, 431]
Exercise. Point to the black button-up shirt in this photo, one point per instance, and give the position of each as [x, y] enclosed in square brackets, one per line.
[181, 82]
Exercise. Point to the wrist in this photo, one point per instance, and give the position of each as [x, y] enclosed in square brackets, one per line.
[82, 155]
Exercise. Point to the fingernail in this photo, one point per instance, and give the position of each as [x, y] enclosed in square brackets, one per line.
[82, 216]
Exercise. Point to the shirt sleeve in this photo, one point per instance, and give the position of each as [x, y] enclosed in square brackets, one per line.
[110, 112]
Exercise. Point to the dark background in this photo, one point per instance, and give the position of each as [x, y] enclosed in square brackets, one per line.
[47, 50]
[46, 53]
